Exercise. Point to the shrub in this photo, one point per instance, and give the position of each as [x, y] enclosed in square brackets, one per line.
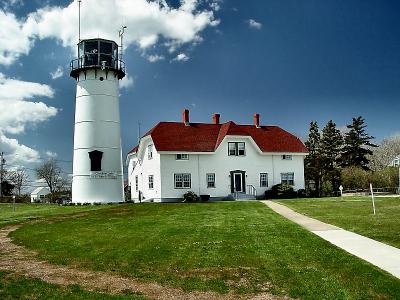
[280, 191]
[204, 198]
[302, 193]
[190, 197]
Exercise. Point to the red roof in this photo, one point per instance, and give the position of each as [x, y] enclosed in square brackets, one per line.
[200, 137]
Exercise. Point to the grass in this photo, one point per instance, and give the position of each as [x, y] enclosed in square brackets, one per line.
[233, 246]
[355, 214]
[25, 212]
[13, 287]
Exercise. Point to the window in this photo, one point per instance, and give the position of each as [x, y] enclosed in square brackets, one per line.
[263, 179]
[287, 178]
[231, 149]
[151, 182]
[210, 180]
[286, 157]
[182, 157]
[95, 160]
[236, 149]
[137, 182]
[182, 181]
[150, 151]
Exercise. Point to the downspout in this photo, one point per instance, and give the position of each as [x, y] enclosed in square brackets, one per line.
[198, 171]
[273, 171]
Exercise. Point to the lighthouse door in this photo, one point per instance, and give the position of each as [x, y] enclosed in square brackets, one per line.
[95, 160]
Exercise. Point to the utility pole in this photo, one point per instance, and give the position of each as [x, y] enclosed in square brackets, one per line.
[2, 162]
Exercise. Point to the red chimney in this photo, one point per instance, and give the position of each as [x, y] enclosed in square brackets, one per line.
[257, 120]
[215, 118]
[185, 116]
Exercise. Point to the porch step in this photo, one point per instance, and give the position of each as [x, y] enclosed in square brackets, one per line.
[241, 196]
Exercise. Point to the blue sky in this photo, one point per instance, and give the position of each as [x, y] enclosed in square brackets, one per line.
[291, 61]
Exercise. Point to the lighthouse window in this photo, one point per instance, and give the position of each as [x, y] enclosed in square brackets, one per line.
[95, 160]
[91, 53]
[105, 53]
[105, 48]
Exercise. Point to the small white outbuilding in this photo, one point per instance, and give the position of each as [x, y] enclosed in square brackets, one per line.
[39, 194]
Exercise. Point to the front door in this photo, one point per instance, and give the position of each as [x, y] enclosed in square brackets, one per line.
[238, 182]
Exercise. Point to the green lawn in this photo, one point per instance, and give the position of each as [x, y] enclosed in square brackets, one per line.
[355, 214]
[227, 246]
[26, 212]
[13, 287]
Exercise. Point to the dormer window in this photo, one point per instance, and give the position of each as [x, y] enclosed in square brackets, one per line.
[95, 160]
[286, 157]
[150, 152]
[236, 149]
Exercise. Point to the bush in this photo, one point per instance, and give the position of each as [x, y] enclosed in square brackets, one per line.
[280, 191]
[204, 198]
[302, 193]
[190, 197]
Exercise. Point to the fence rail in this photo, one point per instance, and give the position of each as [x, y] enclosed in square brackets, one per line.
[377, 191]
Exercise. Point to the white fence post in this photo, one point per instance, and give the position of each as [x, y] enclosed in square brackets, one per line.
[372, 195]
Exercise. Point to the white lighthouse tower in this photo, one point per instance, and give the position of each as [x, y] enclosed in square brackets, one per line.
[97, 162]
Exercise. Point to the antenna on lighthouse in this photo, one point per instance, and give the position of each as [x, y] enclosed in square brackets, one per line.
[79, 21]
[121, 35]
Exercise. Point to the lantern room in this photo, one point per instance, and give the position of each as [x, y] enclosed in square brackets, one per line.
[97, 54]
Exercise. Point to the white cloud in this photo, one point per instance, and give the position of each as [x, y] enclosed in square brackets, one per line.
[216, 4]
[51, 154]
[9, 4]
[15, 115]
[15, 152]
[154, 58]
[126, 82]
[17, 112]
[14, 41]
[57, 73]
[181, 57]
[146, 21]
[254, 24]
[14, 89]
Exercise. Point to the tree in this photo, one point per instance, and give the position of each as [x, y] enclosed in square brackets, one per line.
[382, 156]
[312, 162]
[50, 172]
[357, 144]
[6, 188]
[20, 179]
[330, 149]
[355, 178]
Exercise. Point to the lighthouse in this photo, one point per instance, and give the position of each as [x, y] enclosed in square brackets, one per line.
[97, 159]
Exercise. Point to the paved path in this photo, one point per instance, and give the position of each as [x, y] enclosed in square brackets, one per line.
[379, 254]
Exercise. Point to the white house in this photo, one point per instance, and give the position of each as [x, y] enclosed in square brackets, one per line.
[395, 162]
[39, 194]
[220, 160]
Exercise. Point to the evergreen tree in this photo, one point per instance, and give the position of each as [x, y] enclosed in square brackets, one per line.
[331, 147]
[312, 162]
[356, 143]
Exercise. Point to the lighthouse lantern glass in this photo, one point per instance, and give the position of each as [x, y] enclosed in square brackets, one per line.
[98, 53]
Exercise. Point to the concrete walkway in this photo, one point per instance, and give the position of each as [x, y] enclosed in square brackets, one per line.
[379, 254]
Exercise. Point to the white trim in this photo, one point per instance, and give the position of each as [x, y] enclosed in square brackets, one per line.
[185, 152]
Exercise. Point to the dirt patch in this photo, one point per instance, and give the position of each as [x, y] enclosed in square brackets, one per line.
[21, 261]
